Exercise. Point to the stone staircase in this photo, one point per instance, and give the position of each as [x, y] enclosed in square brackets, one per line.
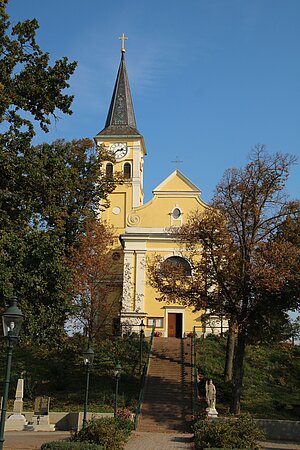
[168, 390]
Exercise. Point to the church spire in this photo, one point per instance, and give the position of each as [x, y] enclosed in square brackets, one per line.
[120, 119]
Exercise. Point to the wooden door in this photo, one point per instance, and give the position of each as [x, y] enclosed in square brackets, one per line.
[171, 324]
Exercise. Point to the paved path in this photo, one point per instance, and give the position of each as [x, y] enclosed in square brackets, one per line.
[31, 440]
[159, 441]
[168, 441]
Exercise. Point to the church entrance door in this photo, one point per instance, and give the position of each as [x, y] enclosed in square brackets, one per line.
[175, 325]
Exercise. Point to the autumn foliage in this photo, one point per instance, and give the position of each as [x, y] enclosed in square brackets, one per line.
[97, 280]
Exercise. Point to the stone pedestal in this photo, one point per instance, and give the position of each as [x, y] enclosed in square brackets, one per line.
[212, 413]
[15, 422]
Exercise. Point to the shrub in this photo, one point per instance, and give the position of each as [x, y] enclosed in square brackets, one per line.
[110, 432]
[67, 445]
[124, 413]
[227, 433]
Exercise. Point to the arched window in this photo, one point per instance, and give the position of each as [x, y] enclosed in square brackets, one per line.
[109, 170]
[127, 171]
[176, 262]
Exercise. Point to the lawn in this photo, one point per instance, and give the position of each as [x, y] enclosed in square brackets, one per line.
[271, 387]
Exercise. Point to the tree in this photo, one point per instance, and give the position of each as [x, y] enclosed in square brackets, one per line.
[61, 188]
[30, 89]
[96, 280]
[47, 192]
[239, 269]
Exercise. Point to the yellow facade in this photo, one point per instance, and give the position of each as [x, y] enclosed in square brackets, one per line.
[143, 228]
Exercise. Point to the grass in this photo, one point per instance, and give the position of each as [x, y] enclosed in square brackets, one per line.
[271, 377]
[60, 375]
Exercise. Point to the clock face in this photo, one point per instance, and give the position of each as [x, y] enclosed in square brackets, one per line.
[119, 150]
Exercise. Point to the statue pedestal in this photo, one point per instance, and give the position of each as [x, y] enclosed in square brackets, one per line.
[15, 422]
[212, 413]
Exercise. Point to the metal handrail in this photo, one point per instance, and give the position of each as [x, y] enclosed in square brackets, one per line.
[143, 379]
[195, 372]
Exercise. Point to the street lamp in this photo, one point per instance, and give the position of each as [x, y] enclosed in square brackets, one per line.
[12, 320]
[117, 374]
[142, 327]
[88, 358]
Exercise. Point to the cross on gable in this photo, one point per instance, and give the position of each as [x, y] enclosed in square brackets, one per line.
[177, 161]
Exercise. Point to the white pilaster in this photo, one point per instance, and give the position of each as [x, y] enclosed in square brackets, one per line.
[140, 280]
[127, 281]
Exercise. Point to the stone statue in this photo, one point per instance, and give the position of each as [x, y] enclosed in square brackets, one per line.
[211, 395]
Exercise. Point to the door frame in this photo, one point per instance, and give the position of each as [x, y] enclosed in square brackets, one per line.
[176, 311]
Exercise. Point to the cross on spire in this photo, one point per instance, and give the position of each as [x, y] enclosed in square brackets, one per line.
[123, 38]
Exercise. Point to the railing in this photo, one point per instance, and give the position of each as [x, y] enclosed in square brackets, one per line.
[195, 373]
[143, 379]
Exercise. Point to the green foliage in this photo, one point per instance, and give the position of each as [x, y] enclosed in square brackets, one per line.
[67, 445]
[110, 432]
[227, 433]
[30, 89]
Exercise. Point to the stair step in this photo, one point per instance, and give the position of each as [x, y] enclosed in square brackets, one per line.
[167, 399]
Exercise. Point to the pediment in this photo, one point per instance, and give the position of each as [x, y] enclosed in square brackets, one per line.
[176, 182]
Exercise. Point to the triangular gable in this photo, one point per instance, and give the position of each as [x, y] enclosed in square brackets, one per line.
[176, 182]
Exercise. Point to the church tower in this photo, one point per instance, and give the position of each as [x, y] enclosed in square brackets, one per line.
[121, 138]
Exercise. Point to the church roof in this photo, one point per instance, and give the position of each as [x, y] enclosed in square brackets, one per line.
[120, 119]
[176, 183]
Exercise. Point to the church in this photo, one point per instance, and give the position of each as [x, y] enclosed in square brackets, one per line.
[142, 228]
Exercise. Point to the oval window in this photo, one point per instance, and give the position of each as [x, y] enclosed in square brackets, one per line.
[176, 213]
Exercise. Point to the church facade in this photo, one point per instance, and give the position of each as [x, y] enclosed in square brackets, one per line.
[142, 229]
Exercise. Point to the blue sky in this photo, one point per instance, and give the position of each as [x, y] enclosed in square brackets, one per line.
[209, 78]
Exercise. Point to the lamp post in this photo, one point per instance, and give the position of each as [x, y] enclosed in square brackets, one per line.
[117, 379]
[12, 320]
[142, 327]
[88, 358]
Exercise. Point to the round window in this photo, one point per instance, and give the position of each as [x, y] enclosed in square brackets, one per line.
[176, 213]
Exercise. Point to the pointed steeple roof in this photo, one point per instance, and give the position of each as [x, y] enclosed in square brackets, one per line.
[120, 119]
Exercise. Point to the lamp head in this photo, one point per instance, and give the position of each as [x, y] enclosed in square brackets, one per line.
[88, 357]
[12, 320]
[117, 371]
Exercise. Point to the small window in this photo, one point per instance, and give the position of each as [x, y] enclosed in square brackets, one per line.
[156, 321]
[176, 213]
[127, 171]
[109, 170]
